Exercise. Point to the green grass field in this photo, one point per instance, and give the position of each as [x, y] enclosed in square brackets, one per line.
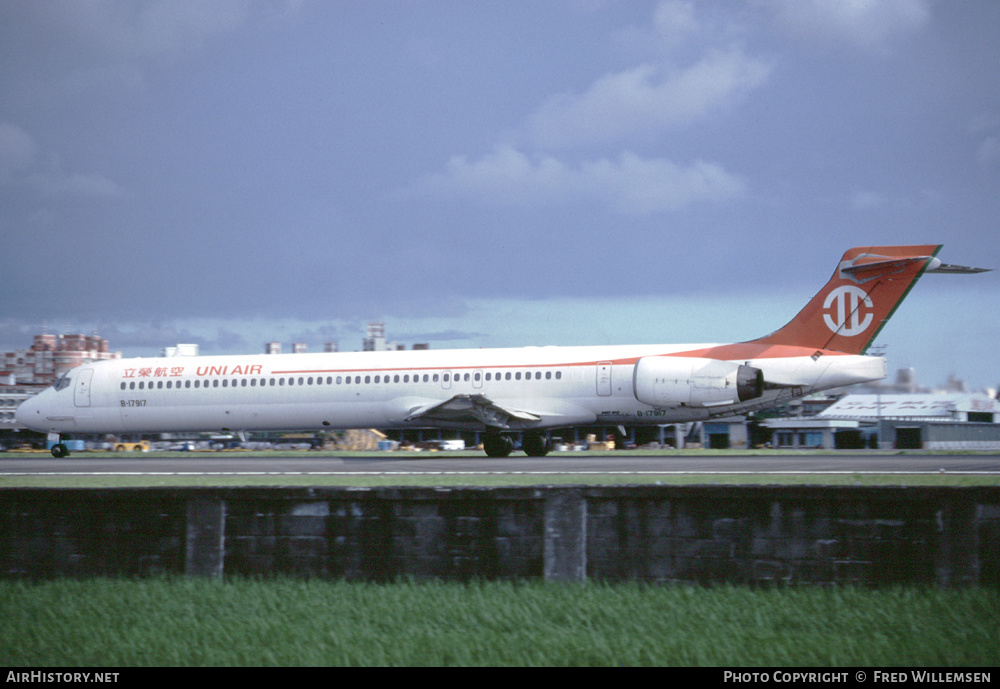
[188, 622]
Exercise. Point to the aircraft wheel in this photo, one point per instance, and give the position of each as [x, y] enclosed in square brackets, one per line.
[497, 445]
[535, 445]
[60, 450]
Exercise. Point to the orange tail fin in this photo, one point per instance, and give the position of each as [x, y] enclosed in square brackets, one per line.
[868, 285]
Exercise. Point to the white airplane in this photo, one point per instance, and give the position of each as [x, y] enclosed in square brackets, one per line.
[496, 391]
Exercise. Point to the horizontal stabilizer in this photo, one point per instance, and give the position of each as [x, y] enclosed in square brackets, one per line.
[868, 266]
[952, 268]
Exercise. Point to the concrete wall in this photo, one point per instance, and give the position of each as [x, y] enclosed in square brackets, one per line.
[697, 534]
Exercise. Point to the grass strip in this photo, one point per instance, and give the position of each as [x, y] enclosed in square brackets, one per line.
[283, 622]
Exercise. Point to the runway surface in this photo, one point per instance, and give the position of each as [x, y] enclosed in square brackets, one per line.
[442, 463]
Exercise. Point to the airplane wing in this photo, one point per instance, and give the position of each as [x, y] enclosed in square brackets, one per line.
[472, 409]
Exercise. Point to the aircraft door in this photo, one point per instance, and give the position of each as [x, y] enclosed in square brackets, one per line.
[446, 380]
[604, 378]
[81, 393]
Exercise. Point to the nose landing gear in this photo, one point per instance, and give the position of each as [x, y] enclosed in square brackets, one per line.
[59, 448]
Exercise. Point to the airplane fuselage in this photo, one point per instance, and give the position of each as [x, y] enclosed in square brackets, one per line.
[544, 387]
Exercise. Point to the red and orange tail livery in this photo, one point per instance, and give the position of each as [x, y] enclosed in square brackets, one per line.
[869, 284]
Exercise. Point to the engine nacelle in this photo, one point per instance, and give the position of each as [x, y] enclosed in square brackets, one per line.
[666, 381]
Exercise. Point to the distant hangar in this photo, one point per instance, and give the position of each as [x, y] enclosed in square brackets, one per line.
[957, 421]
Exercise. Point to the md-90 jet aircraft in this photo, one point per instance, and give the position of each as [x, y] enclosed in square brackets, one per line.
[496, 391]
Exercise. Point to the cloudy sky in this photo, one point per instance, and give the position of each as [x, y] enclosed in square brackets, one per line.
[229, 172]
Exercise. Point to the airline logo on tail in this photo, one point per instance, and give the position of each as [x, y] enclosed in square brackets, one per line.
[843, 313]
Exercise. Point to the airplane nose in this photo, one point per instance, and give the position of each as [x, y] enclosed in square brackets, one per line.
[27, 414]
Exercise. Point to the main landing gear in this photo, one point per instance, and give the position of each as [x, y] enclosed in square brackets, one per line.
[533, 444]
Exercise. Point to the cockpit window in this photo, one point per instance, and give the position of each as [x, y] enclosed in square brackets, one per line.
[62, 382]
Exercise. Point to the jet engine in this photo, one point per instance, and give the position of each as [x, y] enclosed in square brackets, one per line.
[665, 381]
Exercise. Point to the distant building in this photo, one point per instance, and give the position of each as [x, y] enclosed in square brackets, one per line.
[50, 356]
[180, 350]
[24, 372]
[957, 421]
[375, 340]
[11, 397]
